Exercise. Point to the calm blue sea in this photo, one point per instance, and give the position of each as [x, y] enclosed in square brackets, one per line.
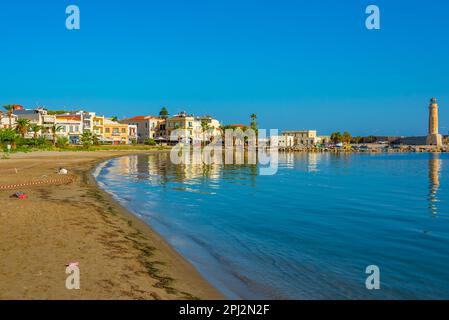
[308, 232]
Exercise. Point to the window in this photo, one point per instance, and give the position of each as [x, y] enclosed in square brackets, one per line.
[108, 130]
[115, 130]
[123, 130]
[71, 129]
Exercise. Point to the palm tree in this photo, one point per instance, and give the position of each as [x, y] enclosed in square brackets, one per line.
[253, 122]
[35, 128]
[10, 109]
[336, 137]
[95, 140]
[87, 139]
[54, 130]
[346, 137]
[22, 126]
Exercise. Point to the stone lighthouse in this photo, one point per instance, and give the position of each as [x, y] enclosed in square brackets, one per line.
[433, 137]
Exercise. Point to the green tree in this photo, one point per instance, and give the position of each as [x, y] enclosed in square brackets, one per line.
[336, 137]
[10, 136]
[346, 138]
[253, 121]
[95, 140]
[86, 139]
[9, 111]
[356, 140]
[114, 118]
[22, 126]
[163, 113]
[54, 129]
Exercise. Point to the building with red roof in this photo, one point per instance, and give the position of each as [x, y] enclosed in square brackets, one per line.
[147, 126]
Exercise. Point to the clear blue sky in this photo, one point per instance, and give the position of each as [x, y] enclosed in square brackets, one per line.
[296, 64]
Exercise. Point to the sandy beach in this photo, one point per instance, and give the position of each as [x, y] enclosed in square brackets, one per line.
[120, 257]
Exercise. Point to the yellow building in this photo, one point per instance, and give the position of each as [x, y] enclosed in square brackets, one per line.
[115, 133]
[98, 126]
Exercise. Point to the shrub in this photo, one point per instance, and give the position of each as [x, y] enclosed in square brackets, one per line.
[150, 142]
[62, 142]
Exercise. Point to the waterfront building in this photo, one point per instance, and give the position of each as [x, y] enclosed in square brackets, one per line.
[147, 126]
[286, 141]
[186, 125]
[191, 126]
[5, 120]
[98, 126]
[324, 139]
[303, 137]
[71, 127]
[38, 116]
[88, 121]
[433, 137]
[115, 132]
[213, 124]
[132, 133]
[93, 123]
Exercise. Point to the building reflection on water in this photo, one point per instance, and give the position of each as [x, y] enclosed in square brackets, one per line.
[159, 169]
[434, 181]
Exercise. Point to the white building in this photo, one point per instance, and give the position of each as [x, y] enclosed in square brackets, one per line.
[303, 137]
[286, 141]
[71, 126]
[38, 116]
[5, 120]
[213, 126]
[147, 126]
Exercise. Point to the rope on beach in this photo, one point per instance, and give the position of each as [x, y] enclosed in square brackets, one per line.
[56, 181]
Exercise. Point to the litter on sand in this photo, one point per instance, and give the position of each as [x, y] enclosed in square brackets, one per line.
[62, 171]
[19, 195]
[72, 264]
